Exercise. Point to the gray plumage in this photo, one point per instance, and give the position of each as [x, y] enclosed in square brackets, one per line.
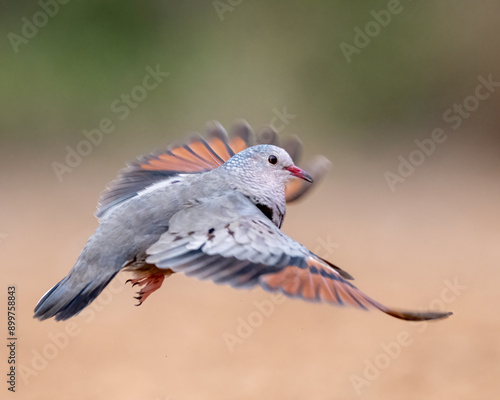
[207, 212]
[127, 230]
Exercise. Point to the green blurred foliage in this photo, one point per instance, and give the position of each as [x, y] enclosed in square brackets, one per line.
[262, 55]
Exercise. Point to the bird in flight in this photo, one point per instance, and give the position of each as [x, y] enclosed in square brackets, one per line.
[211, 208]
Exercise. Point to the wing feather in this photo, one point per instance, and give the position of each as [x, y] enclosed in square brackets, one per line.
[229, 241]
[198, 155]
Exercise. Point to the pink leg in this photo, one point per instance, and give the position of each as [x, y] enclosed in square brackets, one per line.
[148, 285]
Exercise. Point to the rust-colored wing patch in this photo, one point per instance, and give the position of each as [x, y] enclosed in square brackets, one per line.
[238, 144]
[201, 154]
[197, 156]
[317, 281]
[173, 162]
[206, 153]
[294, 188]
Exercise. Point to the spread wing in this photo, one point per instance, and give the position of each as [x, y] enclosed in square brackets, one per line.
[229, 241]
[201, 154]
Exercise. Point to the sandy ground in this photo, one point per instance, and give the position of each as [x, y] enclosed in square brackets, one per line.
[433, 243]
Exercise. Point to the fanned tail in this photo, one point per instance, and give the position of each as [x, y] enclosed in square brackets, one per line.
[71, 295]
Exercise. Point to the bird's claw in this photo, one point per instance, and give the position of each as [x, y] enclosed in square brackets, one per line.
[148, 284]
[134, 281]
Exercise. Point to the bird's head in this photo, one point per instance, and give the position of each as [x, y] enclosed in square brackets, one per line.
[265, 166]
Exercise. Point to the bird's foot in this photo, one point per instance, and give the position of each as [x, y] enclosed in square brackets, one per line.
[148, 285]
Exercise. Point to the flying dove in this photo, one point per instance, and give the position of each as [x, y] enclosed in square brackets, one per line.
[212, 209]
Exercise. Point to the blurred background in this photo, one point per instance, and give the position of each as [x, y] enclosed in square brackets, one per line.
[401, 96]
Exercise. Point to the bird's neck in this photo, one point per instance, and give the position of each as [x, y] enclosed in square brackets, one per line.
[268, 196]
[272, 209]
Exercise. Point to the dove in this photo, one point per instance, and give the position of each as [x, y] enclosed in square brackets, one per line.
[211, 208]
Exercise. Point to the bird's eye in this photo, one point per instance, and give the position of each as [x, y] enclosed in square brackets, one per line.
[273, 159]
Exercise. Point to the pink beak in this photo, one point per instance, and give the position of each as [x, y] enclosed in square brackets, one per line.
[300, 173]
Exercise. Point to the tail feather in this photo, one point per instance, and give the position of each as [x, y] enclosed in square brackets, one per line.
[415, 315]
[70, 296]
[408, 315]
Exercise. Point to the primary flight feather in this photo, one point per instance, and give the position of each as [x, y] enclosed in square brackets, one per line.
[212, 209]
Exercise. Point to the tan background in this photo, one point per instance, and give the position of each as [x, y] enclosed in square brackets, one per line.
[402, 248]
[439, 228]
